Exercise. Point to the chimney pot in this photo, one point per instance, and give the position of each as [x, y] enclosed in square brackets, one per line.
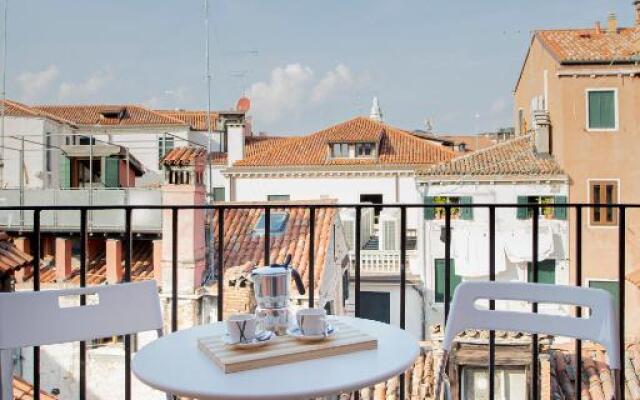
[598, 28]
[612, 24]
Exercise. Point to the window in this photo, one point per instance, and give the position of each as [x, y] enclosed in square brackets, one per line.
[604, 192]
[47, 152]
[440, 279]
[510, 383]
[165, 145]
[365, 149]
[602, 110]
[546, 272]
[340, 150]
[522, 123]
[465, 213]
[548, 212]
[278, 197]
[218, 194]
[375, 306]
[277, 223]
[610, 286]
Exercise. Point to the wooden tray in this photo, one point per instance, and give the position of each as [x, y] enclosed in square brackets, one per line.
[285, 349]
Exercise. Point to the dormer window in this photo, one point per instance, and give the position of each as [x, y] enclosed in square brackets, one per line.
[277, 223]
[115, 113]
[340, 150]
[365, 149]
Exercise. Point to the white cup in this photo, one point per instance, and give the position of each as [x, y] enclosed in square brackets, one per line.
[241, 328]
[312, 321]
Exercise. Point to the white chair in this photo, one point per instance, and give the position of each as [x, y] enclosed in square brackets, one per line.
[600, 326]
[38, 319]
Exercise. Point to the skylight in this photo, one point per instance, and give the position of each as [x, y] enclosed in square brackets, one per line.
[278, 223]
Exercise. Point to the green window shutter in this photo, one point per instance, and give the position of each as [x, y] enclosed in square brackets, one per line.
[64, 172]
[466, 212]
[440, 279]
[218, 194]
[522, 212]
[111, 172]
[546, 272]
[560, 212]
[602, 113]
[429, 213]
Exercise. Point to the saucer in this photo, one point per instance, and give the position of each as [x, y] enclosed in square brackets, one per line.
[262, 338]
[330, 332]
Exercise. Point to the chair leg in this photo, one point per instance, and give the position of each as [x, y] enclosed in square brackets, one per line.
[6, 375]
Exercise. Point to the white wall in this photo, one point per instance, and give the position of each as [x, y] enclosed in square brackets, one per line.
[430, 247]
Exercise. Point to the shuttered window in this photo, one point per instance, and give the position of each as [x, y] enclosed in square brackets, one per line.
[390, 242]
[64, 172]
[465, 213]
[604, 192]
[111, 172]
[546, 272]
[218, 194]
[602, 109]
[610, 286]
[440, 279]
[548, 212]
[349, 232]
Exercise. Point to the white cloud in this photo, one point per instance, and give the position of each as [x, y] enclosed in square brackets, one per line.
[35, 84]
[87, 88]
[293, 88]
[337, 79]
[170, 98]
[285, 92]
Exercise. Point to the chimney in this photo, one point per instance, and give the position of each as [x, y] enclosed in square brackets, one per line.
[636, 4]
[612, 24]
[63, 259]
[114, 261]
[542, 138]
[235, 143]
[598, 28]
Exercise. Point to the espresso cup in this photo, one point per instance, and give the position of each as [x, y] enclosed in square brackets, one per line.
[312, 321]
[241, 328]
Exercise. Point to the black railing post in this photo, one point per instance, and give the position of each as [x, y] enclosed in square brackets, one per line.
[447, 262]
[621, 288]
[356, 242]
[578, 282]
[403, 282]
[492, 303]
[534, 307]
[267, 236]
[36, 288]
[220, 263]
[127, 278]
[83, 299]
[312, 238]
[174, 269]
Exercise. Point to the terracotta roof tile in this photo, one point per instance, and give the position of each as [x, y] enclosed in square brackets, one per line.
[22, 390]
[243, 244]
[397, 147]
[15, 109]
[586, 45]
[187, 155]
[11, 259]
[110, 115]
[196, 119]
[252, 146]
[512, 157]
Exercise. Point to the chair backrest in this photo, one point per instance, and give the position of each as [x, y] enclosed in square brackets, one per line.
[37, 318]
[600, 326]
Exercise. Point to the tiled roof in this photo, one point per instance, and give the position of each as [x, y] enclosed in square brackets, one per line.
[513, 157]
[196, 119]
[11, 259]
[243, 245]
[397, 147]
[130, 115]
[471, 142]
[589, 46]
[597, 379]
[187, 155]
[15, 109]
[141, 267]
[252, 146]
[22, 390]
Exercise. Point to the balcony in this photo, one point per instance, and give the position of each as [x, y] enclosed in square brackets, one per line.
[515, 360]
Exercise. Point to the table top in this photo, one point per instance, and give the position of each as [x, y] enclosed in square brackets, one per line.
[175, 365]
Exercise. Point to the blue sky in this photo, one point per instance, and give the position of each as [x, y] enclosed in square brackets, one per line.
[306, 64]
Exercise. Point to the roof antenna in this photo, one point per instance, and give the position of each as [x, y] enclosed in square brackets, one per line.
[4, 91]
[208, 78]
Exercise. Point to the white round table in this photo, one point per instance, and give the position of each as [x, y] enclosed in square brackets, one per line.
[174, 364]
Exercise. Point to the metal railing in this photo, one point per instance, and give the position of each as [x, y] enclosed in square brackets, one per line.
[267, 208]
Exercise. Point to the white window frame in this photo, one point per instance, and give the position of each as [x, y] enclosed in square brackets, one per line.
[615, 105]
[590, 197]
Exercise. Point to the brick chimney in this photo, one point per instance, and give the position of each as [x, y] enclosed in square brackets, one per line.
[612, 24]
[63, 259]
[114, 261]
[542, 138]
[598, 28]
[636, 4]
